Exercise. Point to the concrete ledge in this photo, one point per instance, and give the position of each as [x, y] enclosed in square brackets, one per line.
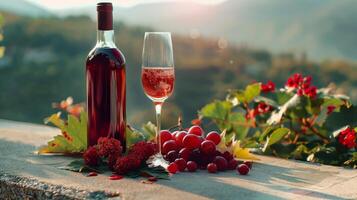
[24, 175]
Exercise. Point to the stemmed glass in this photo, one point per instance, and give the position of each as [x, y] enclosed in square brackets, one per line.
[158, 77]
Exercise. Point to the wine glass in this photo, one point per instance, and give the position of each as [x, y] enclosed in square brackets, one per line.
[158, 77]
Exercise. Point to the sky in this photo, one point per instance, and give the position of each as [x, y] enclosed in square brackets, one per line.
[63, 4]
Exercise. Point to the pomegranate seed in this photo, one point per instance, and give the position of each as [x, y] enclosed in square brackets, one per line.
[243, 169]
[191, 166]
[208, 147]
[212, 168]
[214, 137]
[172, 168]
[196, 130]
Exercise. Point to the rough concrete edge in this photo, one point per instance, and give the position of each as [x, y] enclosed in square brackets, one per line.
[16, 187]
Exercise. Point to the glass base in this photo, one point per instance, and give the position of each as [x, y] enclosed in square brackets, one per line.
[157, 160]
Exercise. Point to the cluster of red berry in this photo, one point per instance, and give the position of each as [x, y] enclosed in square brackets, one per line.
[110, 149]
[268, 87]
[347, 138]
[190, 150]
[302, 84]
[260, 109]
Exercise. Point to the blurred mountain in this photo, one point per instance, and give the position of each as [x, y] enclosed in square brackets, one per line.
[324, 29]
[23, 7]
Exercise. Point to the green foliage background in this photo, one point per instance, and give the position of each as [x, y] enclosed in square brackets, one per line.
[44, 63]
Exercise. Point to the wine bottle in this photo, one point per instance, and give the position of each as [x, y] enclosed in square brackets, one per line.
[106, 83]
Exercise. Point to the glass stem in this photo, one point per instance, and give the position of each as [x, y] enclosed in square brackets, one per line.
[158, 124]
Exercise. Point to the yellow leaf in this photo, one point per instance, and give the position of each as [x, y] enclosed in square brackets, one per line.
[222, 146]
[242, 153]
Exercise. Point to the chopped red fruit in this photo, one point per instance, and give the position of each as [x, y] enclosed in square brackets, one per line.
[181, 164]
[212, 168]
[221, 163]
[172, 168]
[214, 137]
[208, 147]
[92, 174]
[196, 130]
[115, 177]
[191, 141]
[191, 166]
[169, 145]
[165, 135]
[243, 169]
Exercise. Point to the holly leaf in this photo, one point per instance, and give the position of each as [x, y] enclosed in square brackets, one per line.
[277, 115]
[275, 137]
[251, 91]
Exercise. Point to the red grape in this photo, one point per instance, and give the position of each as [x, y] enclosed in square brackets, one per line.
[248, 163]
[181, 164]
[208, 147]
[228, 156]
[169, 145]
[221, 163]
[243, 169]
[195, 130]
[185, 153]
[165, 135]
[212, 168]
[172, 168]
[191, 141]
[214, 137]
[191, 166]
[232, 164]
[171, 156]
[179, 137]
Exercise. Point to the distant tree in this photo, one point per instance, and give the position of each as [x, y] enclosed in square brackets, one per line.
[2, 48]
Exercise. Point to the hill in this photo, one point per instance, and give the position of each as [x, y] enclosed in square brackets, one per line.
[44, 65]
[23, 7]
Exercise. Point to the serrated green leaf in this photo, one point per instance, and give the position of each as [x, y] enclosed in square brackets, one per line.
[216, 110]
[239, 124]
[133, 136]
[149, 130]
[251, 91]
[277, 135]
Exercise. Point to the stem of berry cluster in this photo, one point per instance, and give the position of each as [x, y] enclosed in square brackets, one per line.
[310, 125]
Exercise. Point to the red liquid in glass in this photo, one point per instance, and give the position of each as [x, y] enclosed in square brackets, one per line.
[158, 82]
[106, 95]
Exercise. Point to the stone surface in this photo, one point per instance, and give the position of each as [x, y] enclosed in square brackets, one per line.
[27, 175]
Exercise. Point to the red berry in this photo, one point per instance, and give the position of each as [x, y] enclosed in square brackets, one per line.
[243, 169]
[208, 147]
[195, 130]
[171, 156]
[174, 134]
[221, 163]
[191, 166]
[214, 137]
[179, 137]
[169, 145]
[228, 156]
[218, 153]
[165, 135]
[181, 164]
[191, 141]
[248, 163]
[232, 164]
[212, 168]
[172, 168]
[185, 153]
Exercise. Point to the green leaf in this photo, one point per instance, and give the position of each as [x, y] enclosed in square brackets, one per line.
[149, 130]
[79, 166]
[346, 115]
[266, 132]
[333, 102]
[276, 116]
[216, 110]
[251, 91]
[277, 135]
[320, 120]
[133, 136]
[239, 125]
[355, 129]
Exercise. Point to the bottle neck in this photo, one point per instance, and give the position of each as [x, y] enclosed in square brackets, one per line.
[105, 38]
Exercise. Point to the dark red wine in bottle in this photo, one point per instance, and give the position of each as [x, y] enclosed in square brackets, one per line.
[106, 83]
